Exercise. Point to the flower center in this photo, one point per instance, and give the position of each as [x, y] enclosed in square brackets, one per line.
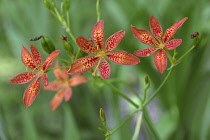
[161, 46]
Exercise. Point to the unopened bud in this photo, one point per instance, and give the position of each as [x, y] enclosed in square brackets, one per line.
[102, 116]
[66, 4]
[47, 44]
[67, 45]
[47, 4]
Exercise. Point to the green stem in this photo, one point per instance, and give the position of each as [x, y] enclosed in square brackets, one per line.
[186, 53]
[56, 68]
[138, 126]
[98, 10]
[61, 59]
[158, 89]
[150, 125]
[119, 93]
[145, 92]
[123, 122]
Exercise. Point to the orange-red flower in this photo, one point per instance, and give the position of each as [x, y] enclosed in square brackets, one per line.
[159, 41]
[64, 84]
[33, 61]
[100, 48]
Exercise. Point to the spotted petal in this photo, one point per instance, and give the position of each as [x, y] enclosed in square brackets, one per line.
[45, 79]
[172, 44]
[104, 69]
[144, 36]
[57, 99]
[145, 52]
[123, 58]
[83, 64]
[23, 77]
[160, 60]
[31, 92]
[113, 41]
[86, 45]
[98, 34]
[48, 61]
[36, 55]
[55, 85]
[172, 30]
[77, 80]
[27, 58]
[155, 28]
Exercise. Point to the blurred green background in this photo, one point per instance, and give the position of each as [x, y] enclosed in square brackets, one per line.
[181, 111]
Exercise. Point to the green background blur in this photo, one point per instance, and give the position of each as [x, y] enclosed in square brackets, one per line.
[181, 111]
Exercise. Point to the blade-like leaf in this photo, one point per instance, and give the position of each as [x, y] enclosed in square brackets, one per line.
[113, 41]
[123, 58]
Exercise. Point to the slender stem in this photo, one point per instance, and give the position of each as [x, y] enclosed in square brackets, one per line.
[186, 53]
[158, 89]
[150, 125]
[98, 10]
[124, 121]
[169, 57]
[61, 59]
[56, 68]
[119, 93]
[138, 126]
[145, 92]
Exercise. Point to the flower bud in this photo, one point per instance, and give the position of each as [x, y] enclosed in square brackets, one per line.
[47, 44]
[102, 116]
[47, 4]
[67, 45]
[66, 4]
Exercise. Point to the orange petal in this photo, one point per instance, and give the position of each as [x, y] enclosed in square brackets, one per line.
[23, 77]
[145, 52]
[67, 93]
[172, 44]
[144, 36]
[27, 58]
[45, 78]
[59, 74]
[104, 69]
[48, 61]
[113, 41]
[98, 34]
[172, 30]
[160, 60]
[57, 99]
[155, 28]
[77, 80]
[31, 92]
[123, 58]
[83, 64]
[36, 55]
[55, 85]
[86, 45]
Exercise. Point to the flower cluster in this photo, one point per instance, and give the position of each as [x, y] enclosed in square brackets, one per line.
[100, 51]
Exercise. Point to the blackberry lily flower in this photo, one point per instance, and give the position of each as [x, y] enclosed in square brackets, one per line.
[33, 61]
[63, 83]
[98, 47]
[159, 41]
